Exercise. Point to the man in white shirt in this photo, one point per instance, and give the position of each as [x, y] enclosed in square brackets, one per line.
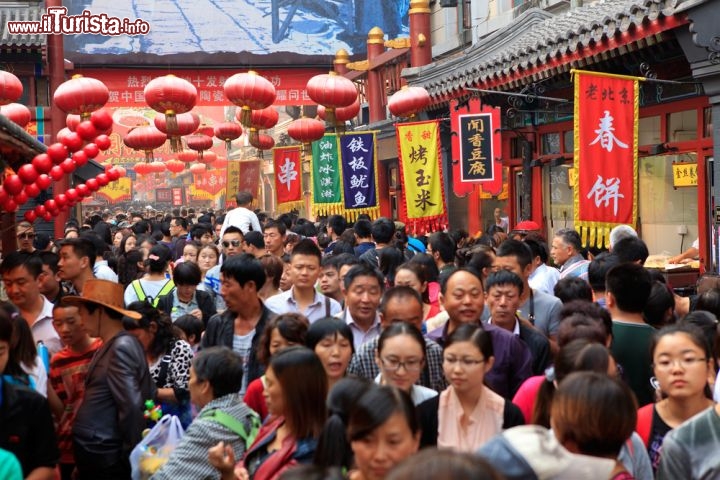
[242, 217]
[363, 287]
[302, 296]
[20, 272]
[101, 269]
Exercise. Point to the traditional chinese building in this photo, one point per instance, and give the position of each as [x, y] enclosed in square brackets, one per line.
[524, 69]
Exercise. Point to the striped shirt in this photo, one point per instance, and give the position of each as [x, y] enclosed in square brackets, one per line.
[68, 370]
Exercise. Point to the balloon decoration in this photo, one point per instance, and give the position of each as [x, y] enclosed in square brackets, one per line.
[249, 91]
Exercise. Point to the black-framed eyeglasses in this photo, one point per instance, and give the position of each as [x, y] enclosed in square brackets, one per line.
[234, 243]
[411, 365]
[26, 236]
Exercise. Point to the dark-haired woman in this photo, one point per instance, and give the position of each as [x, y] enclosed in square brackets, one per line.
[400, 356]
[683, 365]
[332, 340]
[154, 284]
[168, 357]
[281, 332]
[467, 414]
[295, 394]
[383, 431]
[186, 299]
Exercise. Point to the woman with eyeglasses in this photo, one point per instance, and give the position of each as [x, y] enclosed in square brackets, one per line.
[683, 365]
[400, 356]
[467, 414]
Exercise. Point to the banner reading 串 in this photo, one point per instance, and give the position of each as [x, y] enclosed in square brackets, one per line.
[423, 202]
[359, 174]
[288, 178]
[606, 137]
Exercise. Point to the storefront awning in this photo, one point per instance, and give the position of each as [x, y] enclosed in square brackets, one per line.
[17, 147]
[539, 44]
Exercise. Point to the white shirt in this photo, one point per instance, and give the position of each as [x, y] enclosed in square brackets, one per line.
[43, 330]
[241, 218]
[103, 272]
[418, 393]
[544, 278]
[285, 303]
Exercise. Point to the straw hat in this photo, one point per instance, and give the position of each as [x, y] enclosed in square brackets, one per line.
[102, 292]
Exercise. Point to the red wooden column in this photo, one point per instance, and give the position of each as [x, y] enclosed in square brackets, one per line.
[375, 87]
[420, 44]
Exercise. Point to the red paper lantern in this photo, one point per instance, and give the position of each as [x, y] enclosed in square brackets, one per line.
[72, 141]
[103, 142]
[220, 163]
[198, 168]
[249, 91]
[174, 166]
[199, 143]
[72, 121]
[332, 91]
[208, 158]
[141, 169]
[306, 130]
[408, 101]
[81, 96]
[263, 142]
[187, 156]
[17, 113]
[145, 138]
[10, 88]
[342, 114]
[264, 119]
[170, 95]
[103, 121]
[86, 130]
[156, 167]
[186, 123]
[227, 132]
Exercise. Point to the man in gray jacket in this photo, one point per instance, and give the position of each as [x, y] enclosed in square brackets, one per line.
[215, 378]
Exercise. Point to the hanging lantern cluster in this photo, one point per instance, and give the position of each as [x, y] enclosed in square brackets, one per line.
[408, 101]
[332, 91]
[249, 91]
[81, 96]
[262, 119]
[185, 124]
[171, 96]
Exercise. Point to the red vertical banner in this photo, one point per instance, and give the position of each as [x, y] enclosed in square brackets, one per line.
[288, 178]
[250, 177]
[606, 140]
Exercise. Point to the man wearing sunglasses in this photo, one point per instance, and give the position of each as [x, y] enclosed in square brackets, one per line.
[25, 234]
[230, 246]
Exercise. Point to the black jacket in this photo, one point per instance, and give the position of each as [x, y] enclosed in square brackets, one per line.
[220, 330]
[110, 420]
[26, 428]
[205, 300]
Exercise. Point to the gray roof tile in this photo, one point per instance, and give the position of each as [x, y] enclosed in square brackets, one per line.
[11, 14]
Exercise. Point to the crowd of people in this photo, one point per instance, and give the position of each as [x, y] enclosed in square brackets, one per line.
[291, 349]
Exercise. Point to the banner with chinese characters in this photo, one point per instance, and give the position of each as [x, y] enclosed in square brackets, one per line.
[606, 138]
[325, 171]
[250, 178]
[232, 185]
[359, 174]
[208, 184]
[117, 191]
[177, 196]
[423, 203]
[477, 153]
[684, 174]
[288, 178]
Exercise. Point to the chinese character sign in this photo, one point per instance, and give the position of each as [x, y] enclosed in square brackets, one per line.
[419, 153]
[357, 157]
[288, 177]
[606, 137]
[233, 183]
[326, 191]
[250, 177]
[684, 174]
[118, 191]
[212, 182]
[476, 148]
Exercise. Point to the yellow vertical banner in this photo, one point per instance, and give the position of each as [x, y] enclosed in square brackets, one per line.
[233, 182]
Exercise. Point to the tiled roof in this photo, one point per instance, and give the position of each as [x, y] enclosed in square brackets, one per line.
[13, 14]
[532, 40]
